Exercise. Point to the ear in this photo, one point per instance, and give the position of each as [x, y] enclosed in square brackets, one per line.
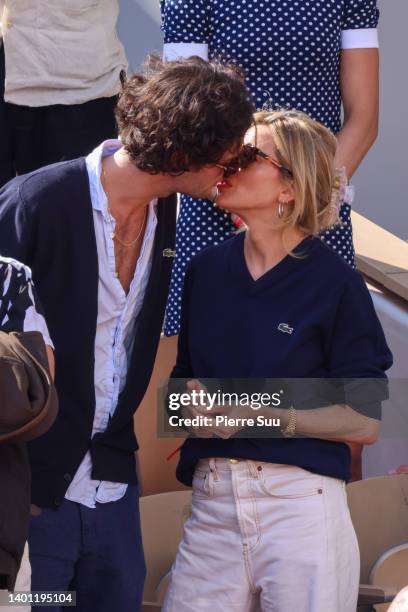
[287, 193]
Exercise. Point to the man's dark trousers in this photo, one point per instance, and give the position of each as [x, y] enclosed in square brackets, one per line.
[32, 137]
[96, 552]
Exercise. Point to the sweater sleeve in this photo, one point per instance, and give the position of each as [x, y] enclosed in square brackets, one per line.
[16, 227]
[183, 367]
[357, 350]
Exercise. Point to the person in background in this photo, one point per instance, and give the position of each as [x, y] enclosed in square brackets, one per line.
[99, 235]
[26, 372]
[270, 527]
[313, 56]
[61, 66]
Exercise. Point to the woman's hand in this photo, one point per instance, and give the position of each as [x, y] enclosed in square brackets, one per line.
[237, 413]
[191, 410]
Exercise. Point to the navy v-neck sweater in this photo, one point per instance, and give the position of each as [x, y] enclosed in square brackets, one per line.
[234, 327]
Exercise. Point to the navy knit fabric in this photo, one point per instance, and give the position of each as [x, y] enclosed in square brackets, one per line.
[234, 327]
[46, 222]
[290, 51]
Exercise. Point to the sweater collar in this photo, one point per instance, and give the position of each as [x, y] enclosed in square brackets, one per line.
[239, 269]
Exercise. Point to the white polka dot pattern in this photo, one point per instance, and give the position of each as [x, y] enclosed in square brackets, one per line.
[290, 51]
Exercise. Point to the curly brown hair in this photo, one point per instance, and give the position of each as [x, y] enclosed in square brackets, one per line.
[182, 115]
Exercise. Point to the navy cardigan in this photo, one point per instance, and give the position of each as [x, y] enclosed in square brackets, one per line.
[46, 222]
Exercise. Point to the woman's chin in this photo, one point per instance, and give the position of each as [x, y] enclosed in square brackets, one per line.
[223, 206]
[222, 200]
[227, 206]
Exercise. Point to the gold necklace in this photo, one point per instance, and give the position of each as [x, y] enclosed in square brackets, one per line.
[114, 235]
[114, 232]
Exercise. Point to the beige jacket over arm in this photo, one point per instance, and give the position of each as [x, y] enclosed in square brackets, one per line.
[1, 20]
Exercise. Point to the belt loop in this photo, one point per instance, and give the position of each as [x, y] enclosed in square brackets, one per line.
[213, 468]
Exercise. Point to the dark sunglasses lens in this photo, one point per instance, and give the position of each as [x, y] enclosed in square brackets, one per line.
[231, 168]
[247, 156]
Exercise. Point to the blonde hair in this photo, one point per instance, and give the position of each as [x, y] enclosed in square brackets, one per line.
[308, 149]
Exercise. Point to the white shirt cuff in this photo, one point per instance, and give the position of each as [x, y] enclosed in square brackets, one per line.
[364, 38]
[173, 51]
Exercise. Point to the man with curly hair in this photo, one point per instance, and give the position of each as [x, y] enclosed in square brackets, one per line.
[98, 233]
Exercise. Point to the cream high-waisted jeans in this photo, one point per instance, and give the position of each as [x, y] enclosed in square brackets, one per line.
[268, 537]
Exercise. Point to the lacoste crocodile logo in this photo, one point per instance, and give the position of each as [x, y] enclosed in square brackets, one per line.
[169, 253]
[285, 328]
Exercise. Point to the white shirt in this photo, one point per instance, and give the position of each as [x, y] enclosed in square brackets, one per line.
[61, 51]
[115, 330]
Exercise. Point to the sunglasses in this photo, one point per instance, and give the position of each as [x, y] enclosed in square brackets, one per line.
[246, 156]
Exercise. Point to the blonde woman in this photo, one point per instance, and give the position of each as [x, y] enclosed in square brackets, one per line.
[314, 56]
[270, 526]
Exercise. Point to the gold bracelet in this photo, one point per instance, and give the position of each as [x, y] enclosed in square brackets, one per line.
[290, 428]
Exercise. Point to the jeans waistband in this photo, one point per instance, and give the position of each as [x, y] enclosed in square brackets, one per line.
[219, 465]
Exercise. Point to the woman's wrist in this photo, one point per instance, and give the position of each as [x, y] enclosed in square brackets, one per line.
[290, 429]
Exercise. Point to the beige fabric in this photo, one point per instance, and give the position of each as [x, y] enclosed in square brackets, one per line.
[391, 570]
[400, 603]
[1, 21]
[61, 52]
[161, 537]
[23, 582]
[379, 513]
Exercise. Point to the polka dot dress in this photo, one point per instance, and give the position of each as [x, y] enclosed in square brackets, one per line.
[290, 51]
